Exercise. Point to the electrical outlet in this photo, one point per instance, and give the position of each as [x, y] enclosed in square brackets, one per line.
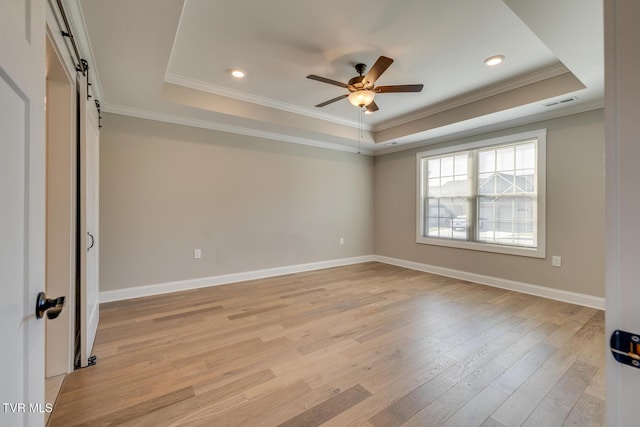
[342, 240]
[556, 261]
[197, 254]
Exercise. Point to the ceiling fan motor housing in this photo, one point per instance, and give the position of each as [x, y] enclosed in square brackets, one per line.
[357, 83]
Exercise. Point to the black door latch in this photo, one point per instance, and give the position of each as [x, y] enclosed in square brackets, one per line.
[625, 347]
[52, 306]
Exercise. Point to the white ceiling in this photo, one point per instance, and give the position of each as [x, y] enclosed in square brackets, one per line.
[170, 60]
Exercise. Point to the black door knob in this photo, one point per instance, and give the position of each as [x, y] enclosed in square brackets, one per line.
[52, 306]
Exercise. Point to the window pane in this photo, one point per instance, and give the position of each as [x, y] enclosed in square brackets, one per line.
[487, 183]
[505, 159]
[461, 164]
[460, 223]
[526, 156]
[452, 179]
[462, 185]
[487, 161]
[441, 214]
[507, 220]
[486, 220]
[434, 187]
[525, 181]
[447, 187]
[434, 168]
[446, 166]
[504, 183]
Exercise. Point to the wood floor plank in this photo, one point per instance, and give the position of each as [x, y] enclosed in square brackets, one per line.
[234, 387]
[548, 413]
[517, 408]
[328, 409]
[253, 312]
[184, 314]
[244, 413]
[588, 411]
[168, 415]
[511, 379]
[557, 404]
[408, 405]
[570, 386]
[490, 422]
[455, 398]
[121, 415]
[362, 345]
[597, 386]
[477, 410]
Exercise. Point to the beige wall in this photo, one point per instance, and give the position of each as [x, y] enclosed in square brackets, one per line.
[251, 204]
[246, 202]
[575, 211]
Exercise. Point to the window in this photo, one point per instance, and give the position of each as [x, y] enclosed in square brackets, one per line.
[486, 195]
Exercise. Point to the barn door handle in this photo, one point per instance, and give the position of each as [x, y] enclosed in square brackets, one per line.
[92, 241]
[52, 307]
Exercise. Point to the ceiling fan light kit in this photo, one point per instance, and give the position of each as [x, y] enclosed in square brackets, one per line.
[361, 98]
[362, 88]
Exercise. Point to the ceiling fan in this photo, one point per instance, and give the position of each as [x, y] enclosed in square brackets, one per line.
[362, 89]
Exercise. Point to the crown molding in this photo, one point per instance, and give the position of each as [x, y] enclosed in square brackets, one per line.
[554, 113]
[377, 151]
[258, 100]
[204, 124]
[502, 87]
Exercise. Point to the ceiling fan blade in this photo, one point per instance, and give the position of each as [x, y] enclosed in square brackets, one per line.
[399, 88]
[372, 107]
[337, 98]
[326, 80]
[378, 68]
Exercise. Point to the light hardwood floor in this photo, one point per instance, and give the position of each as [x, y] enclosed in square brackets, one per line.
[364, 345]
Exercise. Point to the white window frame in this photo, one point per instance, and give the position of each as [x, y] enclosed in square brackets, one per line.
[536, 252]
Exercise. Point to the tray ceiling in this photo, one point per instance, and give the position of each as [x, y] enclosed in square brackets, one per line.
[171, 60]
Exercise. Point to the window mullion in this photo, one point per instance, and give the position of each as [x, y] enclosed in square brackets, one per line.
[473, 200]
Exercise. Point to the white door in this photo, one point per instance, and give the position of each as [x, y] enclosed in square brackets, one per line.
[22, 210]
[89, 207]
[622, 122]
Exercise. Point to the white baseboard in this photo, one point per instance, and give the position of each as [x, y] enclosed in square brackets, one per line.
[526, 288]
[203, 282]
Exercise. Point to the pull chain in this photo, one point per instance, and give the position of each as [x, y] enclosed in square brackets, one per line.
[360, 129]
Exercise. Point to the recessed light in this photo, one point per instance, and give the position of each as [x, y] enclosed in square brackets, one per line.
[368, 112]
[494, 60]
[238, 74]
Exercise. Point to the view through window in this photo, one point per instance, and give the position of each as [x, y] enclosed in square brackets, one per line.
[488, 193]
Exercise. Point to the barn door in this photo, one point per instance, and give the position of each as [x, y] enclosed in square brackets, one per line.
[87, 292]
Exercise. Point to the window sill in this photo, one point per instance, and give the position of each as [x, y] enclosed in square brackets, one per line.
[538, 252]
